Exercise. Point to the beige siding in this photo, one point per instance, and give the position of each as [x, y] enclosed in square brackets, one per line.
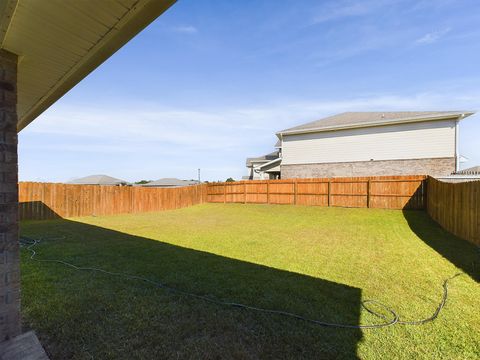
[434, 139]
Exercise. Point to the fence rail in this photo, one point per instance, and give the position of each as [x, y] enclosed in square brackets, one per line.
[40, 201]
[456, 207]
[392, 192]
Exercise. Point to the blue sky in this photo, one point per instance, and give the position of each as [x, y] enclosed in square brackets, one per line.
[210, 82]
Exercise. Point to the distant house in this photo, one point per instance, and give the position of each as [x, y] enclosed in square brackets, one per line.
[365, 144]
[98, 180]
[470, 174]
[475, 170]
[264, 167]
[170, 183]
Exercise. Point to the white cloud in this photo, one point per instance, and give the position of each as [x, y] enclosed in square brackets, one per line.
[185, 29]
[141, 128]
[221, 128]
[342, 9]
[432, 37]
[137, 140]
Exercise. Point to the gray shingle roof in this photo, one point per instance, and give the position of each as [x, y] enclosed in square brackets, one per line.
[170, 182]
[264, 158]
[364, 119]
[98, 180]
[470, 171]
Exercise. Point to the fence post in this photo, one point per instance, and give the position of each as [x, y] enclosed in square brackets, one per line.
[268, 192]
[224, 192]
[328, 192]
[65, 202]
[295, 191]
[425, 193]
[131, 199]
[368, 193]
[245, 192]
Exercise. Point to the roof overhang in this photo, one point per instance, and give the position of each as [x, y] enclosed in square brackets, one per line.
[268, 163]
[457, 116]
[58, 43]
[254, 162]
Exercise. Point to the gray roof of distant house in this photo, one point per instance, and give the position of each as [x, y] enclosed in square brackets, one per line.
[171, 182]
[366, 119]
[264, 158]
[98, 180]
[470, 171]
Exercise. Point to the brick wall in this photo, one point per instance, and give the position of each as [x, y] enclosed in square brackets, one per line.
[433, 167]
[9, 246]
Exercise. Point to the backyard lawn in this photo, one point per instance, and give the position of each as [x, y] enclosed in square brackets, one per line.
[316, 262]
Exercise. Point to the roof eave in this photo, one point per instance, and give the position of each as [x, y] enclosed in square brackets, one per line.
[141, 15]
[7, 9]
[269, 163]
[382, 123]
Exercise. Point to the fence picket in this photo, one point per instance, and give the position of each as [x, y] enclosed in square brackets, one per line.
[455, 207]
[41, 201]
[390, 192]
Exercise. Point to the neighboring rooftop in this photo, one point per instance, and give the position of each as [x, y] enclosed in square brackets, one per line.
[264, 158]
[475, 170]
[98, 180]
[365, 119]
[170, 182]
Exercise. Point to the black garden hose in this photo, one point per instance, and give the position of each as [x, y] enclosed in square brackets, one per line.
[391, 320]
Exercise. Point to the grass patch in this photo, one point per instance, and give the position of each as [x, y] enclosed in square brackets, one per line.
[318, 262]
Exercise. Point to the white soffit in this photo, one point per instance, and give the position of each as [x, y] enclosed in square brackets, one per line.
[59, 42]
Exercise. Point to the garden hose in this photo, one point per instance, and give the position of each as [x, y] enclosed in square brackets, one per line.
[393, 319]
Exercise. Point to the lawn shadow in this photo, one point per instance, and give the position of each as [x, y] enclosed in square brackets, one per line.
[35, 210]
[116, 318]
[458, 251]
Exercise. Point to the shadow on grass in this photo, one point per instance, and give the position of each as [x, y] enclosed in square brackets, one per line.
[459, 252]
[77, 314]
[36, 210]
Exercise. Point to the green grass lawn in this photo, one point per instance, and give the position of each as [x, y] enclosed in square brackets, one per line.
[317, 262]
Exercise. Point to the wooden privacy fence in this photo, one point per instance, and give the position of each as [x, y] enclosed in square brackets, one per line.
[392, 192]
[48, 200]
[40, 201]
[456, 207]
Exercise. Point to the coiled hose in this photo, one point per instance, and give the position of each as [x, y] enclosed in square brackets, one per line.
[393, 319]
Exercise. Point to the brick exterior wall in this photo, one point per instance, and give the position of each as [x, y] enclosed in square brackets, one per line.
[9, 247]
[433, 167]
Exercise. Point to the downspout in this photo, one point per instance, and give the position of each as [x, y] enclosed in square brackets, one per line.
[457, 155]
[280, 154]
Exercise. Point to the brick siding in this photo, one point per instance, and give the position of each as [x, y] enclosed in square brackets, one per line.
[433, 167]
[9, 246]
